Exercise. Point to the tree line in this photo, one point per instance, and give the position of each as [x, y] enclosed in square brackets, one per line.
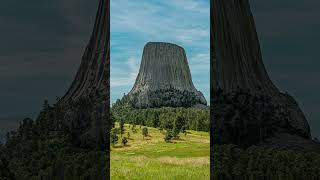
[189, 118]
[170, 97]
[254, 163]
[49, 147]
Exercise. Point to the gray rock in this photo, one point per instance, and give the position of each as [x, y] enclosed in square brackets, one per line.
[164, 71]
[91, 85]
[288, 141]
[92, 75]
[237, 64]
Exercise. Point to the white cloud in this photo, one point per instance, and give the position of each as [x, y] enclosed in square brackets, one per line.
[133, 23]
[126, 75]
[134, 68]
[156, 21]
[188, 36]
[200, 63]
[193, 5]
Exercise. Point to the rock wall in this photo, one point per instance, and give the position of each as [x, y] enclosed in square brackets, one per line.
[238, 60]
[92, 75]
[237, 68]
[164, 67]
[87, 101]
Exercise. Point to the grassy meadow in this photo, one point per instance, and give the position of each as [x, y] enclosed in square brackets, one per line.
[151, 158]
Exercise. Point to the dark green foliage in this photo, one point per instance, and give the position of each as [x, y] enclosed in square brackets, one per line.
[52, 159]
[173, 127]
[121, 128]
[178, 125]
[124, 141]
[133, 128]
[161, 98]
[232, 162]
[51, 147]
[168, 136]
[246, 119]
[172, 120]
[173, 98]
[144, 132]
[192, 118]
[113, 137]
[112, 120]
[5, 172]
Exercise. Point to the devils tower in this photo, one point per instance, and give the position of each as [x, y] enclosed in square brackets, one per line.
[164, 79]
[86, 103]
[247, 107]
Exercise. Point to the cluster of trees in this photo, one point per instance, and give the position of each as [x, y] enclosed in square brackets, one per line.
[114, 138]
[170, 97]
[52, 159]
[173, 129]
[173, 120]
[232, 162]
[120, 131]
[191, 118]
[245, 119]
[173, 98]
[49, 148]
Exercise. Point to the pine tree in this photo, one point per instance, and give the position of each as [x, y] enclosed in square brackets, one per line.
[144, 132]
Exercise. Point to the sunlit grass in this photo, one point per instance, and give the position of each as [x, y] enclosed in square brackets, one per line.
[152, 158]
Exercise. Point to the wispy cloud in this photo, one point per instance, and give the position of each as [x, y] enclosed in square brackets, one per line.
[162, 21]
[125, 76]
[193, 5]
[134, 23]
[200, 63]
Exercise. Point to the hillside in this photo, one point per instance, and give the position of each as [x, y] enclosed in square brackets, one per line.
[152, 158]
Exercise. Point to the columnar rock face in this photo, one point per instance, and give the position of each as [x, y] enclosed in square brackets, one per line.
[238, 72]
[238, 60]
[164, 69]
[87, 101]
[92, 75]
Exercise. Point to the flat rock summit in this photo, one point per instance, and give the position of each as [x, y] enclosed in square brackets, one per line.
[164, 79]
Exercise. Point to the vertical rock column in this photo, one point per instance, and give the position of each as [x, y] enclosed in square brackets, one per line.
[164, 66]
[92, 83]
[237, 64]
[237, 60]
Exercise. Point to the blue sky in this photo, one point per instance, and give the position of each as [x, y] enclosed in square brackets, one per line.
[134, 23]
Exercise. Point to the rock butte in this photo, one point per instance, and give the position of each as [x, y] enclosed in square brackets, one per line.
[92, 83]
[164, 66]
[237, 62]
[92, 75]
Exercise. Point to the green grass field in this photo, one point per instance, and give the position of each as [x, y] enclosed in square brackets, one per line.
[151, 158]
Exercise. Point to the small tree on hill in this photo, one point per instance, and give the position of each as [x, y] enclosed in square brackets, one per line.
[168, 136]
[124, 141]
[121, 128]
[184, 131]
[144, 132]
[133, 128]
[179, 122]
[112, 119]
[113, 137]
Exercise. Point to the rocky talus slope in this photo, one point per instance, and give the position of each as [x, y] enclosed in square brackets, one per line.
[164, 78]
[246, 105]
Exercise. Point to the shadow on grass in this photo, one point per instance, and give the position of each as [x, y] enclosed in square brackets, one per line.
[121, 146]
